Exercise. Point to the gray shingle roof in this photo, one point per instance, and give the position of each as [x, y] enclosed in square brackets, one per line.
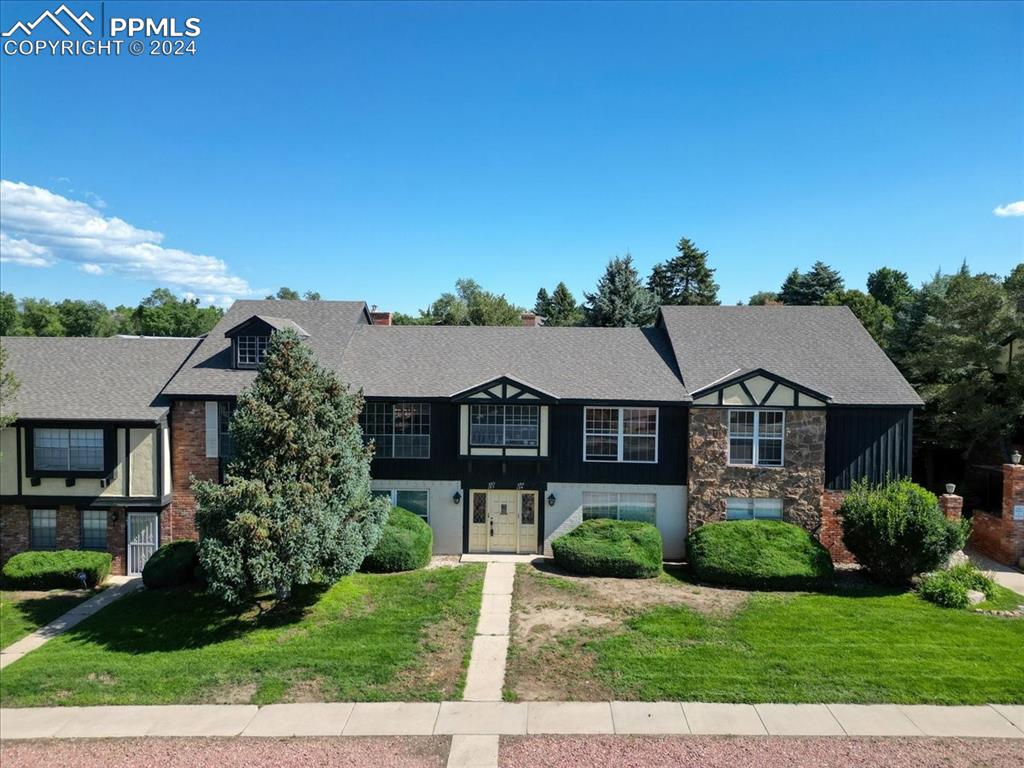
[822, 348]
[569, 363]
[92, 378]
[208, 371]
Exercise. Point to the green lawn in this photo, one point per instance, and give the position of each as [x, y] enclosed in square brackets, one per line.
[868, 646]
[369, 637]
[21, 612]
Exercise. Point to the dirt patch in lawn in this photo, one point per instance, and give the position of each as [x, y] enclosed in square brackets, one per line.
[440, 663]
[556, 615]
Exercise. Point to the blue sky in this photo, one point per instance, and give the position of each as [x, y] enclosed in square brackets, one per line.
[381, 151]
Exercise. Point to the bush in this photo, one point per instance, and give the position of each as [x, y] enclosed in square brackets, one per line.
[55, 570]
[764, 554]
[898, 530]
[620, 548]
[172, 565]
[949, 588]
[405, 544]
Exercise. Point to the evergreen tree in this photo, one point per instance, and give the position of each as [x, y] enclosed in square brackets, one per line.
[542, 306]
[620, 300]
[686, 278]
[891, 287]
[563, 311]
[811, 288]
[295, 503]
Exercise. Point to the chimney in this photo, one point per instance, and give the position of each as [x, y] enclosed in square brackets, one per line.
[531, 319]
[379, 318]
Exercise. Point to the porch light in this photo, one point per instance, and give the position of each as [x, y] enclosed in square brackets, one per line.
[1015, 457]
[457, 497]
[551, 499]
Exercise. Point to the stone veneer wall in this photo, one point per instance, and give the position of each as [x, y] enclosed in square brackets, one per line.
[188, 459]
[800, 483]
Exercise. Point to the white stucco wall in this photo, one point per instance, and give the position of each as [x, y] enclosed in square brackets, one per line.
[445, 517]
[567, 513]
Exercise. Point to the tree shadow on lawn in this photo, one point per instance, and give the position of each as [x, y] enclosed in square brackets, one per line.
[47, 606]
[185, 618]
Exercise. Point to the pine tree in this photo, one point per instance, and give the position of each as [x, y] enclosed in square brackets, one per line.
[563, 309]
[542, 306]
[686, 278]
[792, 289]
[811, 288]
[620, 300]
[295, 502]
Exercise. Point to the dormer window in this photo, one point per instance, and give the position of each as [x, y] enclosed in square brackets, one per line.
[250, 351]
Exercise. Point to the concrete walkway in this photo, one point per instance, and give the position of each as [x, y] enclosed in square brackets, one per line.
[1008, 577]
[490, 719]
[119, 586]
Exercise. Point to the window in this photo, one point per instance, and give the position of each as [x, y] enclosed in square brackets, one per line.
[749, 509]
[68, 449]
[620, 506]
[509, 426]
[415, 501]
[42, 532]
[398, 430]
[250, 351]
[94, 529]
[620, 434]
[755, 437]
[225, 442]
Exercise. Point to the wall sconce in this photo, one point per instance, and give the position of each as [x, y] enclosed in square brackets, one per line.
[551, 499]
[457, 497]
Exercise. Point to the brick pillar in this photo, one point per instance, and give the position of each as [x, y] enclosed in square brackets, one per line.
[830, 534]
[188, 460]
[1002, 538]
[116, 541]
[69, 528]
[952, 505]
[14, 524]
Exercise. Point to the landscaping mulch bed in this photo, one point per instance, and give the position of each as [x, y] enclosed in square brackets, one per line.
[762, 752]
[347, 752]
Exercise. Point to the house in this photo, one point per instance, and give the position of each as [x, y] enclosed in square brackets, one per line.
[504, 438]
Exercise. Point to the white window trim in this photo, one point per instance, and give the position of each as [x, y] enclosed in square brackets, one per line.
[504, 425]
[394, 497]
[621, 433]
[618, 501]
[755, 453]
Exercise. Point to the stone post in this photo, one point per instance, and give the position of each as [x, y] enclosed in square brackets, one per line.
[952, 505]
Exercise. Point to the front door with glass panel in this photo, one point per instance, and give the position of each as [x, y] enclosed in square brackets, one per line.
[503, 521]
[143, 538]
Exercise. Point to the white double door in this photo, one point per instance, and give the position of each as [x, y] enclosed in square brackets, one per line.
[143, 539]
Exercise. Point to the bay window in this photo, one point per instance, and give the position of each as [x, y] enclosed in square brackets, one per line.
[628, 435]
[756, 437]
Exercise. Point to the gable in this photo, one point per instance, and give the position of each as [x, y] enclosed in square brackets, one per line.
[503, 389]
[759, 388]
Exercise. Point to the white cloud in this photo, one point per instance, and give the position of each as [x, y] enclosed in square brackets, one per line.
[39, 227]
[1010, 209]
[23, 252]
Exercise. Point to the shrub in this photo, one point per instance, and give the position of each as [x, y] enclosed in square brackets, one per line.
[898, 530]
[405, 544]
[622, 548]
[765, 554]
[172, 565]
[55, 570]
[949, 588]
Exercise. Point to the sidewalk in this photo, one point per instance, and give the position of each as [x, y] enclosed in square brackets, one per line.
[496, 718]
[119, 587]
[1008, 577]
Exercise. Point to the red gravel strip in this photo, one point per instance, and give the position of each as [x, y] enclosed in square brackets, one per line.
[765, 752]
[345, 752]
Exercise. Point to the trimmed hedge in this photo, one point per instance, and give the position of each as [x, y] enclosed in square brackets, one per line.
[622, 548]
[897, 530]
[406, 543]
[172, 565]
[764, 554]
[57, 570]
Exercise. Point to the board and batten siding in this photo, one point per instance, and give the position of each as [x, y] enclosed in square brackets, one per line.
[867, 443]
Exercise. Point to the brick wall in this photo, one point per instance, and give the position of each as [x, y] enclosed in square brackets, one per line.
[13, 531]
[15, 524]
[188, 460]
[831, 532]
[1002, 538]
